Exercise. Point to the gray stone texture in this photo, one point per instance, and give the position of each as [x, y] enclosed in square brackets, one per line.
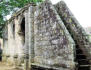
[79, 35]
[47, 41]
[53, 45]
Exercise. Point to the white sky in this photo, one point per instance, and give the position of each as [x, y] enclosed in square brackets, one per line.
[81, 9]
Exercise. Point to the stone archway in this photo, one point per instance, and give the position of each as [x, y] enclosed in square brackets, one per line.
[20, 38]
[22, 29]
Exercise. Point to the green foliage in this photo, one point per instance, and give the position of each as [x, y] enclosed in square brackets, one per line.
[6, 6]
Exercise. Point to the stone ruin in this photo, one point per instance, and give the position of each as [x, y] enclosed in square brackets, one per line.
[46, 36]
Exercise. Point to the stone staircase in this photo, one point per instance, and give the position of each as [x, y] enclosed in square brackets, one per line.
[83, 62]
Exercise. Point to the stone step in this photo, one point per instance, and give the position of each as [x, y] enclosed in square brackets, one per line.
[80, 54]
[83, 59]
[85, 65]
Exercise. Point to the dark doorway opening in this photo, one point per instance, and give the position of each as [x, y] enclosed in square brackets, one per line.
[22, 29]
[14, 30]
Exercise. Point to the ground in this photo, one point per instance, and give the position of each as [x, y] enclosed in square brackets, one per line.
[4, 66]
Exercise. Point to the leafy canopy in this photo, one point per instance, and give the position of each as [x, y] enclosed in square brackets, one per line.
[6, 6]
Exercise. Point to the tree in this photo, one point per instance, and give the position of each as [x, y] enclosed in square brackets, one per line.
[6, 6]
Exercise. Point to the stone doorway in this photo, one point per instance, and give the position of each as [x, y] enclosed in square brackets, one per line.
[22, 30]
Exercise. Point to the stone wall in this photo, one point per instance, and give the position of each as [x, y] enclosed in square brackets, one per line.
[13, 42]
[47, 42]
[53, 45]
[79, 35]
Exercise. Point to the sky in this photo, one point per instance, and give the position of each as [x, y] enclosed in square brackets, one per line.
[81, 9]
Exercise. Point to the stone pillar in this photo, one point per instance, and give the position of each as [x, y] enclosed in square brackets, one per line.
[26, 51]
[29, 37]
[31, 34]
[5, 43]
[11, 44]
[18, 40]
[5, 50]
